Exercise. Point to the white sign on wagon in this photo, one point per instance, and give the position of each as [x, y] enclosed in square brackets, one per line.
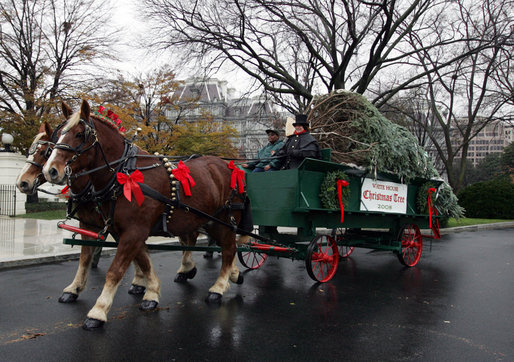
[383, 196]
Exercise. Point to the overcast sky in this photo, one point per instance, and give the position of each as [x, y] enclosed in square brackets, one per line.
[136, 60]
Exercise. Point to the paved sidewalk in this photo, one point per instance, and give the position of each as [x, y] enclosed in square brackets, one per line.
[33, 241]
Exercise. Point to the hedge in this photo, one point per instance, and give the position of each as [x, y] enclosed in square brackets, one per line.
[489, 199]
[44, 206]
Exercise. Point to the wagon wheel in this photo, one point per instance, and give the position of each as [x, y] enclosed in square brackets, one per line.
[412, 245]
[344, 250]
[251, 259]
[322, 258]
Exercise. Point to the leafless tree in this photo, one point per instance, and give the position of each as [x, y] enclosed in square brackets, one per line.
[465, 97]
[297, 48]
[46, 49]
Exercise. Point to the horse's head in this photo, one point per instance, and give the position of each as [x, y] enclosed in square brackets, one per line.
[78, 138]
[31, 176]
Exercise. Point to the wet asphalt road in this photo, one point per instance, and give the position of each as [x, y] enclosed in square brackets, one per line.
[456, 305]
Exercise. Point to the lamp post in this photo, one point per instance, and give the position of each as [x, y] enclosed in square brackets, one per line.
[7, 140]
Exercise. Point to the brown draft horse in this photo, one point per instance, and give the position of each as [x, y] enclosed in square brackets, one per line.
[31, 177]
[88, 144]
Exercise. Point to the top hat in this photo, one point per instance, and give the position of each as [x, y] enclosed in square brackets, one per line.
[275, 131]
[301, 120]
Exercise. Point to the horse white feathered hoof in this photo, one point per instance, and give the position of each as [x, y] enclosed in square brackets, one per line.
[147, 305]
[136, 289]
[68, 297]
[90, 324]
[213, 298]
[183, 277]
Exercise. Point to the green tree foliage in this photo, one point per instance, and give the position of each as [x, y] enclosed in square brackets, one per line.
[490, 199]
[204, 137]
[488, 168]
[141, 101]
[507, 160]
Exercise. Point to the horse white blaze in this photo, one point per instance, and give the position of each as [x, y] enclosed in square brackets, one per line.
[27, 165]
[73, 121]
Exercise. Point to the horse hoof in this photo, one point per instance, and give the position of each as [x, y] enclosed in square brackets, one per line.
[213, 298]
[91, 324]
[183, 277]
[148, 305]
[240, 279]
[68, 297]
[136, 289]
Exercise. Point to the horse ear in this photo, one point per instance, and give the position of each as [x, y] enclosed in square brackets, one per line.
[66, 110]
[85, 110]
[45, 128]
[48, 129]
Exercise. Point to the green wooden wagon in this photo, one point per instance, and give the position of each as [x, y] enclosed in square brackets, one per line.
[371, 217]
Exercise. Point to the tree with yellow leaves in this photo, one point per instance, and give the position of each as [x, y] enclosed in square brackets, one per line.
[204, 137]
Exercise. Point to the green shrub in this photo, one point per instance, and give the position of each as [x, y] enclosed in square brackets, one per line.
[489, 200]
[44, 206]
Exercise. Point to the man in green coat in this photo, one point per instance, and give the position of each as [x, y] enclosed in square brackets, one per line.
[264, 163]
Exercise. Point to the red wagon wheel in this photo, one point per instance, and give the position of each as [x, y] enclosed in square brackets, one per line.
[412, 245]
[251, 259]
[322, 258]
[344, 250]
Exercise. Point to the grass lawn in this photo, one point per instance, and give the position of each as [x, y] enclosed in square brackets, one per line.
[468, 221]
[45, 215]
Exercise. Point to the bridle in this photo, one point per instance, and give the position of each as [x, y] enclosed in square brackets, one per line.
[45, 153]
[89, 135]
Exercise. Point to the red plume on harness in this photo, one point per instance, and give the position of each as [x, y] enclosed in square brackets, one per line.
[237, 177]
[181, 173]
[131, 186]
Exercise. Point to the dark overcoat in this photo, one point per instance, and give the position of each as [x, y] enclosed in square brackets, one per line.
[296, 148]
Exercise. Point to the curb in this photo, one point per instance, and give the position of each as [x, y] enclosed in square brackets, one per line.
[111, 251]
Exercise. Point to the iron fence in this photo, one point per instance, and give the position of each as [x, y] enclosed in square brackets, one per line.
[8, 200]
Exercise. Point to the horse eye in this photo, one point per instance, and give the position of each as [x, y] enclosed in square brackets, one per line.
[79, 134]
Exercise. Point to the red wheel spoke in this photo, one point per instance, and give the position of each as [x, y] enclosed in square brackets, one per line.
[411, 245]
[322, 258]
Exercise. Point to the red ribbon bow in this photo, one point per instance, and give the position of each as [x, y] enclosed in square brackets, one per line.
[237, 177]
[432, 210]
[131, 186]
[181, 173]
[340, 185]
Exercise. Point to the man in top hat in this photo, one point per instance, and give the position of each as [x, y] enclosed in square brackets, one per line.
[264, 162]
[299, 145]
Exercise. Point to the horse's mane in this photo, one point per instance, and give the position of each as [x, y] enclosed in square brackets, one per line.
[72, 122]
[110, 119]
